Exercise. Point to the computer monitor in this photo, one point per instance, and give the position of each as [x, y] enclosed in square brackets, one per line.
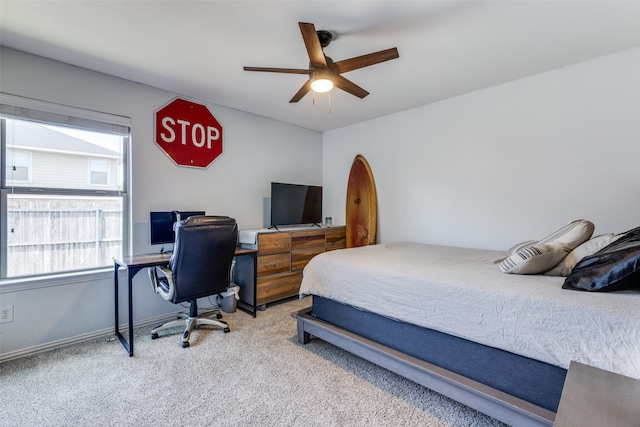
[162, 225]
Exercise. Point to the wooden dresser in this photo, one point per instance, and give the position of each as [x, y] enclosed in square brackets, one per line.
[282, 255]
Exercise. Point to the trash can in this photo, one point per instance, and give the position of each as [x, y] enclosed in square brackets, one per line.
[228, 299]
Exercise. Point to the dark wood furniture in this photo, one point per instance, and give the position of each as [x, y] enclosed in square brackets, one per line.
[282, 255]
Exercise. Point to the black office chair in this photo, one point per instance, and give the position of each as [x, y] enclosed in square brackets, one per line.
[200, 266]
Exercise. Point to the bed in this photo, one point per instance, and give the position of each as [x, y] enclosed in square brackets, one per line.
[448, 318]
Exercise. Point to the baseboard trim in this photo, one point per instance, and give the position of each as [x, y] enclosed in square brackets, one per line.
[107, 333]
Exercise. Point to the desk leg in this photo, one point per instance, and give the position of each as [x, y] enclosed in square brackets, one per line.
[116, 266]
[245, 276]
[130, 301]
[255, 282]
[128, 345]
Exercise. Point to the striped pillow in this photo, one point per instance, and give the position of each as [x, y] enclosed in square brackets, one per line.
[545, 254]
[515, 248]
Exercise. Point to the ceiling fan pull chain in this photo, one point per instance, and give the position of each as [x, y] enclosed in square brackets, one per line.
[329, 102]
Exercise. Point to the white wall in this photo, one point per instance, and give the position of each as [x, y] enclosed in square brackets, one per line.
[256, 152]
[505, 164]
[486, 169]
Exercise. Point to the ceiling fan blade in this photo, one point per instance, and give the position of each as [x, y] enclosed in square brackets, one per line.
[348, 86]
[277, 70]
[302, 92]
[312, 43]
[366, 60]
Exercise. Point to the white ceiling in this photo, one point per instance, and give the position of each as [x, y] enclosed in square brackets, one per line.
[198, 48]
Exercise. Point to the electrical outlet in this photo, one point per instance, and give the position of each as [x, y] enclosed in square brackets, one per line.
[6, 314]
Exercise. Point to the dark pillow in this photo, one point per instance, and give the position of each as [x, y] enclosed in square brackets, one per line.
[615, 267]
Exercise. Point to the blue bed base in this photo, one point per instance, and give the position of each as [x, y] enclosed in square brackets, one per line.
[512, 388]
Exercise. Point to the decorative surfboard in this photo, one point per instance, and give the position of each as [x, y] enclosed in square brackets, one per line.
[362, 207]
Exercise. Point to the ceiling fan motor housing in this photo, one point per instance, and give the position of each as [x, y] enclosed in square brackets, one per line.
[325, 37]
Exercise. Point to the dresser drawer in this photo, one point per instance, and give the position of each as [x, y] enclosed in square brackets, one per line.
[269, 243]
[302, 257]
[277, 287]
[273, 264]
[336, 238]
[307, 239]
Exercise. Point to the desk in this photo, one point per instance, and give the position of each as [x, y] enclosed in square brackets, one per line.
[135, 263]
[248, 292]
[594, 397]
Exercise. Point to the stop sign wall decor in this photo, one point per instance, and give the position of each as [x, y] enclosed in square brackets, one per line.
[188, 133]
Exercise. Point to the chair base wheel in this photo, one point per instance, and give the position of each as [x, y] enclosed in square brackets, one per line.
[191, 323]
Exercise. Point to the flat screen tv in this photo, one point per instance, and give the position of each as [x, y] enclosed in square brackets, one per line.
[295, 204]
[162, 225]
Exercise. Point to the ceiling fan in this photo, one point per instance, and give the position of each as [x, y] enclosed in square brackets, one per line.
[323, 73]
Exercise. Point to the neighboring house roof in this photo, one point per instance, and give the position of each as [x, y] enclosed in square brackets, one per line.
[34, 135]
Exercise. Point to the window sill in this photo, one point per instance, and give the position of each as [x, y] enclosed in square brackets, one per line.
[29, 283]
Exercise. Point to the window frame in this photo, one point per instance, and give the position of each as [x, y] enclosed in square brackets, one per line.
[21, 108]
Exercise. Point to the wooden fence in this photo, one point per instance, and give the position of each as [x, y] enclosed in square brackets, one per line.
[47, 235]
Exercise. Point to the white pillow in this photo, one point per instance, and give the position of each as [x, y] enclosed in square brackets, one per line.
[573, 234]
[589, 247]
[548, 252]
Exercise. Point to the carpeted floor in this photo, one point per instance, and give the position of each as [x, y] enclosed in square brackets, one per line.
[256, 375]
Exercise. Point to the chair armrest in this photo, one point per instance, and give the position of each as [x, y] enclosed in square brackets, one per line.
[167, 272]
[162, 285]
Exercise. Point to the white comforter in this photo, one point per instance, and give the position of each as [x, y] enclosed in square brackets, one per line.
[462, 292]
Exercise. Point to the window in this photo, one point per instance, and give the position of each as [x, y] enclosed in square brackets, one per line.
[98, 172]
[19, 166]
[63, 188]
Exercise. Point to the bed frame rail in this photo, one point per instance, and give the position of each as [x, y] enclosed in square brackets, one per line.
[495, 403]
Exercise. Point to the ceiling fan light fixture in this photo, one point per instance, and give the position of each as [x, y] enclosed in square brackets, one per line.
[322, 85]
[322, 81]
